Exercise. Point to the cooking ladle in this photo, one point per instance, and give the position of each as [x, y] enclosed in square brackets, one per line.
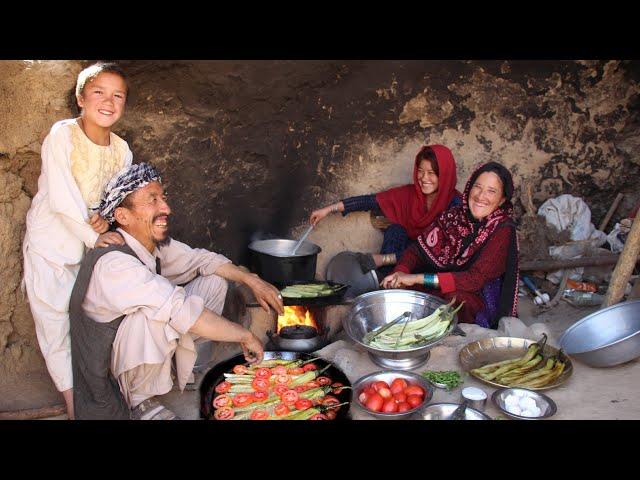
[302, 238]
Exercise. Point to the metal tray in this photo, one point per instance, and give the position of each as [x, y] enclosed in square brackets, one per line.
[496, 349]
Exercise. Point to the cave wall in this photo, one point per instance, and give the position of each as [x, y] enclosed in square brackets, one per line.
[250, 148]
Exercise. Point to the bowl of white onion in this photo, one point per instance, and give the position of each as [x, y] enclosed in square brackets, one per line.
[524, 404]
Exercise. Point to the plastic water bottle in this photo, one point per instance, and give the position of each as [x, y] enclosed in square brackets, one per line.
[583, 299]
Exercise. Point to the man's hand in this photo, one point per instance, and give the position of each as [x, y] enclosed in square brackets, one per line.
[99, 224]
[109, 238]
[399, 280]
[252, 348]
[266, 294]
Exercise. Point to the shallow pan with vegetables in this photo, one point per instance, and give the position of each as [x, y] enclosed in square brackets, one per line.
[311, 292]
[225, 381]
[478, 357]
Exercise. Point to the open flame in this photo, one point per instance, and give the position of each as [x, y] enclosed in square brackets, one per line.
[296, 315]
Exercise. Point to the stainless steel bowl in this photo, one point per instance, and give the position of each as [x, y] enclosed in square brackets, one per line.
[374, 309]
[388, 376]
[545, 404]
[444, 411]
[605, 338]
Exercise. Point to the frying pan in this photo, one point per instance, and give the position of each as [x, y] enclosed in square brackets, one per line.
[216, 375]
[333, 299]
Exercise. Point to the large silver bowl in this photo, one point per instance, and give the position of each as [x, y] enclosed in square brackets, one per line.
[605, 338]
[388, 376]
[375, 309]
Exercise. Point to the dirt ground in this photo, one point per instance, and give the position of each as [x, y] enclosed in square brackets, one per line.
[591, 393]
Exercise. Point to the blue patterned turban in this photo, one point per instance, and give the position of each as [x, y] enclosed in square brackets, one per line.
[126, 181]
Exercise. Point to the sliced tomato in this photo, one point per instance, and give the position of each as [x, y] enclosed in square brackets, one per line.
[259, 415]
[336, 387]
[240, 369]
[300, 388]
[281, 409]
[295, 371]
[329, 400]
[283, 379]
[263, 373]
[398, 385]
[260, 384]
[223, 387]
[310, 366]
[225, 413]
[280, 389]
[222, 401]
[290, 397]
[279, 370]
[303, 404]
[319, 416]
[311, 384]
[331, 414]
[242, 399]
[322, 381]
[414, 390]
[259, 396]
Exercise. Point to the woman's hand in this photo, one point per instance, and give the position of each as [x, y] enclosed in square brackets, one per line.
[252, 348]
[109, 238]
[399, 280]
[99, 224]
[319, 214]
[266, 294]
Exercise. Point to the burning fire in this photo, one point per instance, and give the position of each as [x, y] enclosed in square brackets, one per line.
[296, 315]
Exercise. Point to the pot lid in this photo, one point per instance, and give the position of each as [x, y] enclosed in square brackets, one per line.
[345, 268]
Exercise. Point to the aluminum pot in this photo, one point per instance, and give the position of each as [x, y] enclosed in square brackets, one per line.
[605, 338]
[273, 262]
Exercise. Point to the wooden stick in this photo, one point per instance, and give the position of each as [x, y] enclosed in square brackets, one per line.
[625, 265]
[612, 210]
[559, 264]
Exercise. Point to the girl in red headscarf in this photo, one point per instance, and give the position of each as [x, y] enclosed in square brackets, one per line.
[469, 252]
[411, 207]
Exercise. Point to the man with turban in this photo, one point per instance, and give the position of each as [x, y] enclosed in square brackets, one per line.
[130, 316]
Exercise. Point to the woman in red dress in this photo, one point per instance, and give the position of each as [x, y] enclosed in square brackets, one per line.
[469, 252]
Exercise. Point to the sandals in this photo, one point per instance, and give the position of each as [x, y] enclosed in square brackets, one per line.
[152, 409]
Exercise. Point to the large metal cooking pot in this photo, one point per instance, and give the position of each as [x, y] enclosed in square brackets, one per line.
[605, 338]
[273, 262]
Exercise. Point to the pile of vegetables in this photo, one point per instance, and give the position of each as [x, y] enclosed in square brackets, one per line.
[277, 390]
[310, 290]
[399, 396]
[527, 371]
[404, 333]
[450, 378]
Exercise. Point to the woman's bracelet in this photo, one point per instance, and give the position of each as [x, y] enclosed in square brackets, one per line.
[430, 280]
[335, 208]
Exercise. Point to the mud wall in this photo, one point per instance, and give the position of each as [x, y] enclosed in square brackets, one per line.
[251, 147]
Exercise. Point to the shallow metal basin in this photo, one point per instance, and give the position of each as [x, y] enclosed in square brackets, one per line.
[605, 338]
[374, 309]
[444, 411]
